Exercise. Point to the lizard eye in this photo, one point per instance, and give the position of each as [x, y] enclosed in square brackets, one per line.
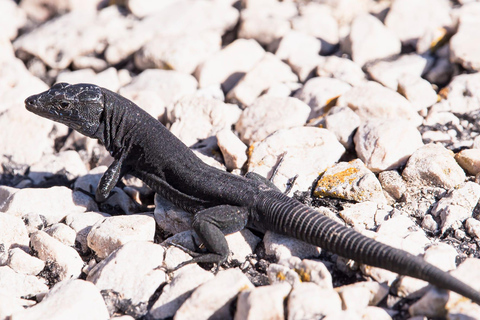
[64, 104]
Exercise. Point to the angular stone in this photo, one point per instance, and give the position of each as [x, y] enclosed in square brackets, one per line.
[153, 90]
[207, 115]
[472, 226]
[320, 93]
[309, 301]
[418, 91]
[234, 151]
[267, 72]
[82, 223]
[107, 79]
[310, 271]
[181, 53]
[433, 165]
[469, 160]
[170, 218]
[283, 247]
[229, 64]
[393, 183]
[297, 43]
[372, 100]
[111, 233]
[462, 49]
[341, 68]
[213, 298]
[131, 275]
[12, 18]
[360, 215]
[62, 233]
[262, 302]
[83, 299]
[67, 263]
[242, 244]
[22, 262]
[279, 274]
[10, 304]
[265, 30]
[143, 8]
[13, 234]
[462, 94]
[386, 144]
[306, 151]
[369, 40]
[304, 64]
[343, 122]
[268, 115]
[20, 285]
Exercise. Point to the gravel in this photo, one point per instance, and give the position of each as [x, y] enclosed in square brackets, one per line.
[368, 110]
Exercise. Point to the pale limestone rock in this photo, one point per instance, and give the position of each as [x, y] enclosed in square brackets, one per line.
[462, 49]
[372, 100]
[89, 62]
[375, 292]
[433, 165]
[67, 163]
[153, 90]
[375, 313]
[462, 94]
[432, 304]
[410, 19]
[473, 227]
[12, 18]
[62, 233]
[386, 144]
[262, 302]
[343, 122]
[351, 181]
[354, 298]
[14, 234]
[181, 53]
[10, 304]
[309, 301]
[268, 71]
[234, 151]
[454, 208]
[279, 273]
[304, 64]
[83, 299]
[207, 115]
[310, 270]
[283, 247]
[417, 90]
[228, 65]
[143, 8]
[341, 68]
[264, 30]
[213, 298]
[42, 10]
[269, 114]
[388, 72]
[20, 285]
[82, 223]
[170, 218]
[297, 43]
[22, 262]
[306, 151]
[369, 40]
[320, 93]
[67, 263]
[133, 272]
[242, 244]
[106, 79]
[111, 233]
[393, 183]
[469, 160]
[178, 290]
[360, 215]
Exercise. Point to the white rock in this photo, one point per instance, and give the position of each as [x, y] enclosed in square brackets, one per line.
[433, 165]
[360, 215]
[473, 227]
[462, 94]
[315, 148]
[153, 90]
[304, 64]
[34, 221]
[351, 181]
[66, 260]
[342, 69]
[269, 114]
[432, 304]
[111, 233]
[89, 62]
[469, 160]
[242, 244]
[40, 11]
[213, 298]
[207, 115]
[178, 290]
[75, 299]
[417, 90]
[375, 292]
[393, 183]
[457, 205]
[462, 49]
[309, 301]
[143, 8]
[181, 53]
[82, 223]
[33, 200]
[343, 314]
[268, 71]
[369, 40]
[13, 234]
[411, 19]
[283, 247]
[317, 20]
[279, 273]
[262, 302]
[354, 298]
[234, 151]
[432, 40]
[62, 233]
[265, 30]
[106, 79]
[20, 285]
[375, 313]
[297, 43]
[131, 272]
[429, 223]
[12, 18]
[388, 72]
[67, 163]
[9, 304]
[320, 93]
[372, 100]
[311, 271]
[229, 64]
[22, 262]
[343, 122]
[386, 144]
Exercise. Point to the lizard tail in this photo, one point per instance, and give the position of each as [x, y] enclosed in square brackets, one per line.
[287, 216]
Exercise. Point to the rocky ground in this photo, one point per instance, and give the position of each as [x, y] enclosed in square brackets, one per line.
[374, 107]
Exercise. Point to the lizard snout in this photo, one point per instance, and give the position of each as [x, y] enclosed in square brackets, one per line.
[30, 103]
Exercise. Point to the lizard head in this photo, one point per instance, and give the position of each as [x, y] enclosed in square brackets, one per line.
[79, 106]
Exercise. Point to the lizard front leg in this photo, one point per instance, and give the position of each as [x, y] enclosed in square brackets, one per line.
[110, 178]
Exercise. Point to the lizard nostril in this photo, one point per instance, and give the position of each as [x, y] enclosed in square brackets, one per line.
[30, 102]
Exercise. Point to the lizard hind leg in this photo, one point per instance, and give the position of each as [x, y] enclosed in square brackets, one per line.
[211, 226]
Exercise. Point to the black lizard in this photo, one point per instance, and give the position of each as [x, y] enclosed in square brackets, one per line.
[222, 202]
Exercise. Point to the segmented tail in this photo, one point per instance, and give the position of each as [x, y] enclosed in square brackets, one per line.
[289, 217]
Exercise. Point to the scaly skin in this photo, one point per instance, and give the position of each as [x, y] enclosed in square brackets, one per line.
[222, 202]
